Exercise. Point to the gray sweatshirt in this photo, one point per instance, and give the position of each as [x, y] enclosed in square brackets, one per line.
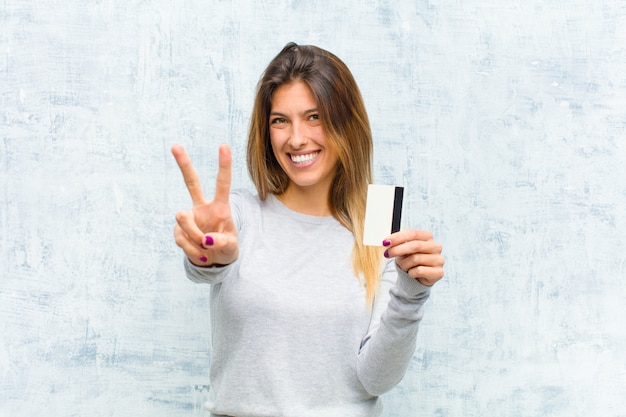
[292, 335]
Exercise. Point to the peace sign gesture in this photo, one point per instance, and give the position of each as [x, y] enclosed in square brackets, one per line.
[206, 233]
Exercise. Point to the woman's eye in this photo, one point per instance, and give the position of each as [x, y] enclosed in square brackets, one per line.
[277, 120]
[315, 117]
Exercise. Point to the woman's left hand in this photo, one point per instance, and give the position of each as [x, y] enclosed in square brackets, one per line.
[416, 253]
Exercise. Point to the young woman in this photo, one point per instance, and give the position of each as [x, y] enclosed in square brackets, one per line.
[305, 319]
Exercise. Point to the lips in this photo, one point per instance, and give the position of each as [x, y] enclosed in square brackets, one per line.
[303, 158]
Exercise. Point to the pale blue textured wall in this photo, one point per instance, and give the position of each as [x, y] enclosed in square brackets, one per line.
[505, 120]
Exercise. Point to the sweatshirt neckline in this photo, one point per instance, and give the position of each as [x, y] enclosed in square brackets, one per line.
[306, 218]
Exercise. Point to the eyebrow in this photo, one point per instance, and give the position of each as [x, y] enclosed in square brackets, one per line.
[304, 113]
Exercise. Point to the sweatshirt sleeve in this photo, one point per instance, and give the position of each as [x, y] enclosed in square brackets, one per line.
[390, 342]
[206, 275]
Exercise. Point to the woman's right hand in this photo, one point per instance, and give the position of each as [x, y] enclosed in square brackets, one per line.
[206, 233]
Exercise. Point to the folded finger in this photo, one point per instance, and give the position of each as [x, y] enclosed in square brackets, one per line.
[190, 248]
[221, 246]
[427, 260]
[426, 275]
[408, 235]
[185, 221]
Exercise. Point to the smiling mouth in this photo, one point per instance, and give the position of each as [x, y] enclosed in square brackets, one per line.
[304, 159]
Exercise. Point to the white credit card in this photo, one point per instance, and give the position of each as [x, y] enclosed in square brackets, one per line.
[383, 213]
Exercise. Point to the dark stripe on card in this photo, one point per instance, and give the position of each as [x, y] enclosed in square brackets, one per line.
[397, 210]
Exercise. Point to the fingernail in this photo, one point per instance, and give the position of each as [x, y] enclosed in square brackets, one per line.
[204, 259]
[386, 242]
[386, 254]
[208, 240]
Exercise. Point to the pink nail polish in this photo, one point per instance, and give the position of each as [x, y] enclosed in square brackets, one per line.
[208, 240]
[204, 259]
[386, 242]
[386, 254]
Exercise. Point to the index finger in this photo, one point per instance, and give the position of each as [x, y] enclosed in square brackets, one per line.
[189, 174]
[407, 235]
[224, 174]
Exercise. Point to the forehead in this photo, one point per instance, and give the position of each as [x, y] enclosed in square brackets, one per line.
[295, 93]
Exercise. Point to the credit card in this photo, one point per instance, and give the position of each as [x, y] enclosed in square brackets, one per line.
[383, 213]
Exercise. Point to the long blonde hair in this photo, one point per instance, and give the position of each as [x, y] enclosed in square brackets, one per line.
[347, 130]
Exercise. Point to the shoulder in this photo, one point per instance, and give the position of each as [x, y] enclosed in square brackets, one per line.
[243, 197]
[244, 205]
[244, 201]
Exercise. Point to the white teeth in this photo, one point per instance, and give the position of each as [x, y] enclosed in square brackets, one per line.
[303, 159]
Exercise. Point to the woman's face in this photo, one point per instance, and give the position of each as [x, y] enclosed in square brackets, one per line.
[298, 139]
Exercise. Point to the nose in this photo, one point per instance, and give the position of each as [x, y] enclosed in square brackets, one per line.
[299, 136]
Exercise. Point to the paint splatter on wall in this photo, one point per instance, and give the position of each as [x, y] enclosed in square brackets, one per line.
[505, 122]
